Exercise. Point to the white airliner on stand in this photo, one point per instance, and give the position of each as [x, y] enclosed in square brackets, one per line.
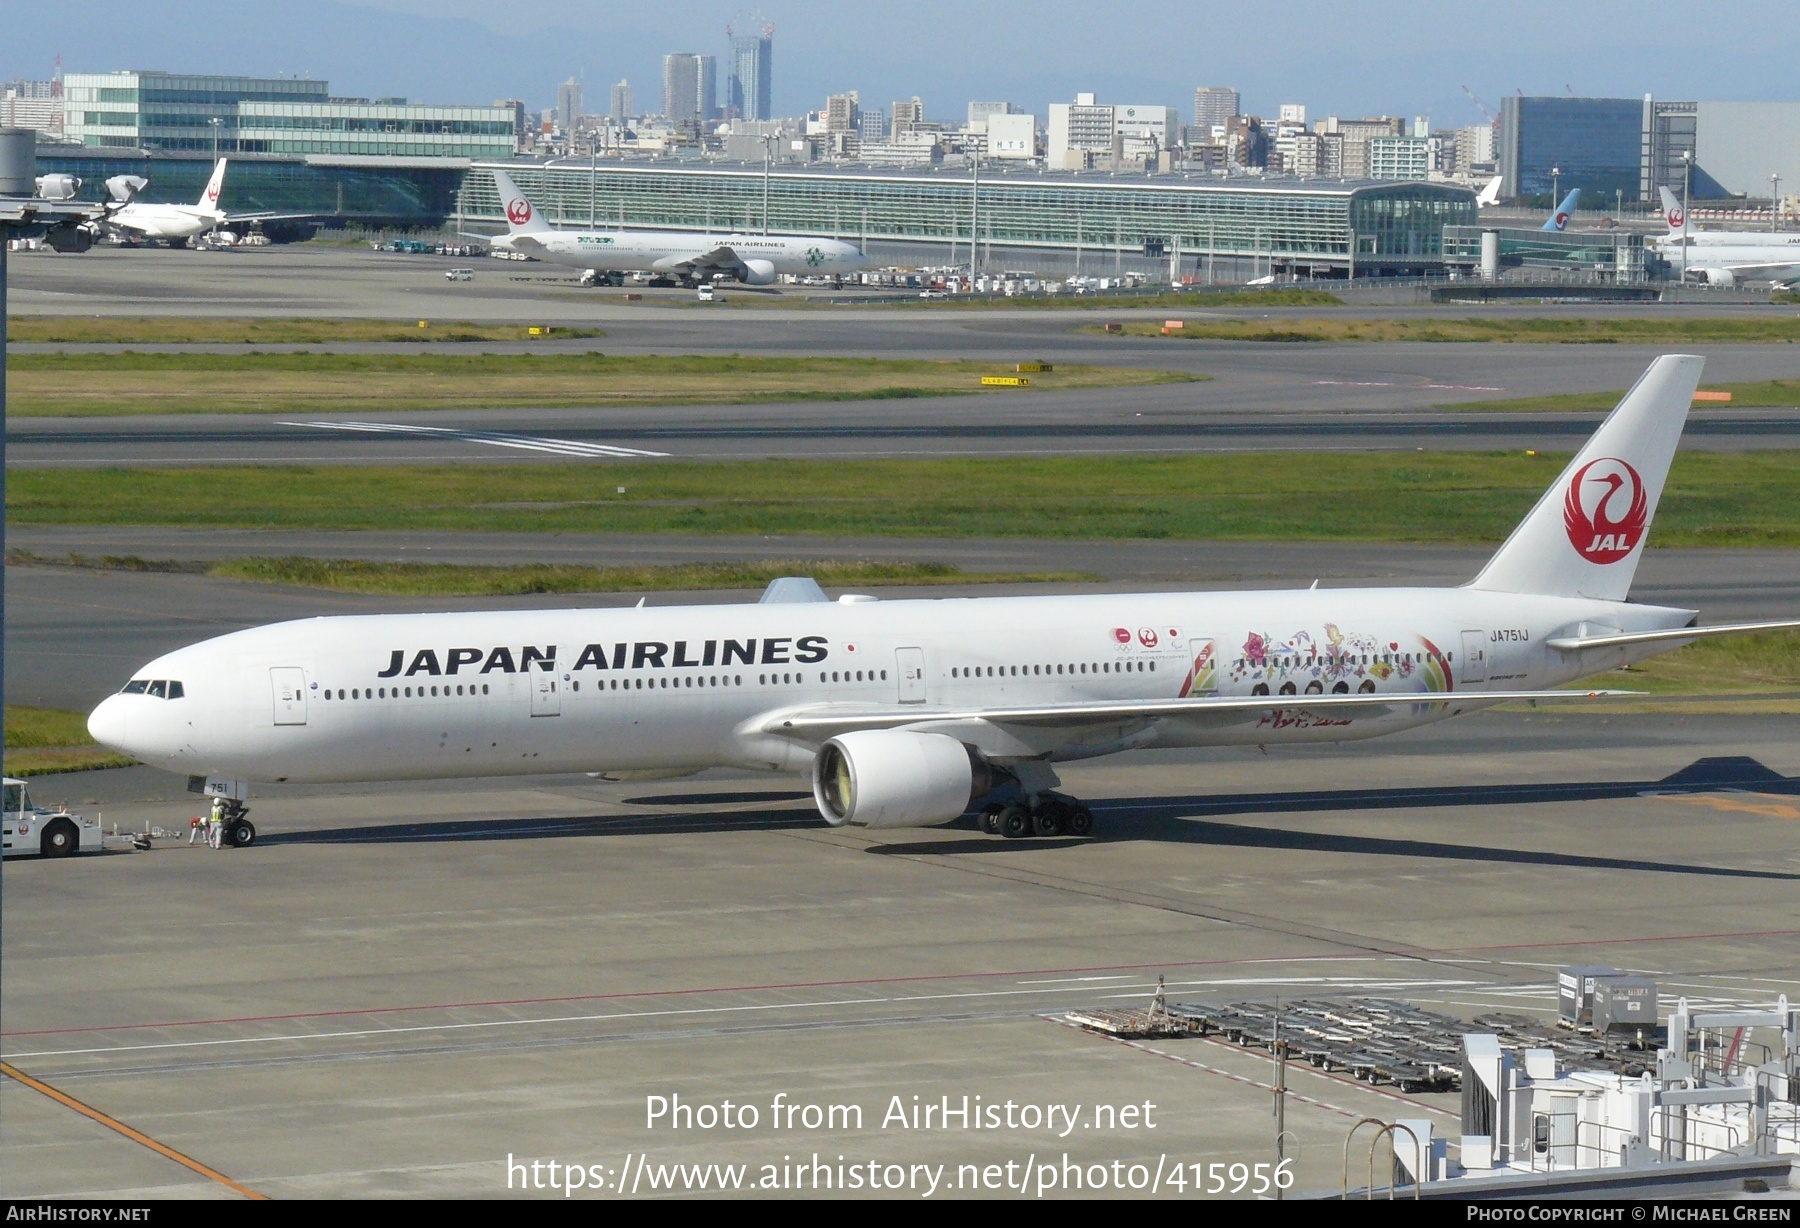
[688, 256]
[1726, 257]
[141, 221]
[905, 713]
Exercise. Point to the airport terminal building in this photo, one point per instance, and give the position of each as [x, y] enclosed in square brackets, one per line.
[1094, 222]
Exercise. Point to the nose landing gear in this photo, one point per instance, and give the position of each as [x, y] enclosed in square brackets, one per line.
[240, 832]
[1046, 814]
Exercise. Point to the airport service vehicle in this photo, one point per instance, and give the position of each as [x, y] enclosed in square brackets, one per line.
[907, 713]
[690, 257]
[460, 275]
[1726, 257]
[706, 294]
[25, 828]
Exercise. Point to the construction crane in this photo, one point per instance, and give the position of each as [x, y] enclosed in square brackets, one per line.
[1479, 105]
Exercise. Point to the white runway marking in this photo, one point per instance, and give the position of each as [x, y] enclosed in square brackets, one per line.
[497, 439]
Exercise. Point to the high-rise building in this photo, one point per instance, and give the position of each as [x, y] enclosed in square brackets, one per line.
[751, 58]
[1214, 106]
[908, 115]
[568, 104]
[689, 87]
[1293, 113]
[980, 111]
[841, 111]
[872, 126]
[1553, 144]
[621, 102]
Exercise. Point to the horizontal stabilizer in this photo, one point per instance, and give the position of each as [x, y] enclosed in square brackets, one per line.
[1576, 643]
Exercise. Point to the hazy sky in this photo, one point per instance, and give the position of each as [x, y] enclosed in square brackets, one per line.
[1374, 57]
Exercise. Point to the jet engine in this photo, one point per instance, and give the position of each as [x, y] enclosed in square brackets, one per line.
[759, 273]
[1719, 277]
[57, 187]
[895, 778]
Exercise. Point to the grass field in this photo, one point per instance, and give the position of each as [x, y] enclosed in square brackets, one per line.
[1780, 327]
[1760, 394]
[40, 741]
[105, 384]
[1742, 499]
[473, 580]
[207, 330]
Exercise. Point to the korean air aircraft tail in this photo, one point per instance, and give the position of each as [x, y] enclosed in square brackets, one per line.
[1585, 536]
[209, 199]
[521, 217]
[1673, 213]
[1560, 219]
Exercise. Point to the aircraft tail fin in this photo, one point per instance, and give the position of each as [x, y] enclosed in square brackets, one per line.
[1673, 212]
[1585, 536]
[521, 216]
[1490, 195]
[209, 199]
[1559, 220]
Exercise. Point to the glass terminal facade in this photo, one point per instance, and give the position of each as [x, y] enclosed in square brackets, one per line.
[1321, 228]
[1555, 144]
[232, 115]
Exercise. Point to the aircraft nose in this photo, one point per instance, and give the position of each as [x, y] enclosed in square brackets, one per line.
[106, 724]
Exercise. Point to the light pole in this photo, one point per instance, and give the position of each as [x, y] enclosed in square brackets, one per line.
[1555, 187]
[768, 157]
[216, 123]
[974, 216]
[1687, 169]
[1774, 202]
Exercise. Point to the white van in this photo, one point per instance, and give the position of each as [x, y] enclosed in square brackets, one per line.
[460, 275]
[706, 293]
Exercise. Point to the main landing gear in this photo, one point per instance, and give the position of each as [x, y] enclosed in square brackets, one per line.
[1046, 814]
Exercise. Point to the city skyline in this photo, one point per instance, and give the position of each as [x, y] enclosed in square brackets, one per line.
[1353, 64]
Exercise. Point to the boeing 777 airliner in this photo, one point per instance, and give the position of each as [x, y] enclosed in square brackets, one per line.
[907, 713]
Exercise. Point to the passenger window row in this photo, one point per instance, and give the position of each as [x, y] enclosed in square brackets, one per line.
[1027, 671]
[848, 675]
[159, 689]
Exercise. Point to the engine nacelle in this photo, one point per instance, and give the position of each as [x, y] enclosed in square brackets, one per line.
[1719, 277]
[759, 273]
[57, 187]
[895, 778]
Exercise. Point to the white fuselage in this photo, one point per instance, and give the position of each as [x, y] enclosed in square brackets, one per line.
[1772, 257]
[650, 251]
[684, 688]
[167, 221]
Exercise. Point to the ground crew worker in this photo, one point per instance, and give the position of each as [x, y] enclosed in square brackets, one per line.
[216, 822]
[197, 829]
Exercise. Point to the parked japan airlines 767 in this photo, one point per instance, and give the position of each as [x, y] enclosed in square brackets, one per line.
[690, 256]
[907, 713]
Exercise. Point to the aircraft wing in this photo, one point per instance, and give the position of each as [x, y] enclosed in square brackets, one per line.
[721, 259]
[234, 218]
[829, 720]
[1775, 270]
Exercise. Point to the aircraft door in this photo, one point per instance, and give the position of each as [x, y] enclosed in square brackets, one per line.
[289, 684]
[910, 664]
[546, 692]
[1474, 662]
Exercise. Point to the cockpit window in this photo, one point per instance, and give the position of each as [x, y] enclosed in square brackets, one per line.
[137, 686]
[176, 691]
[159, 689]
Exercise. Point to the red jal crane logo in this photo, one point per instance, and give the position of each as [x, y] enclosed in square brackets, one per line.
[1606, 510]
[518, 212]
